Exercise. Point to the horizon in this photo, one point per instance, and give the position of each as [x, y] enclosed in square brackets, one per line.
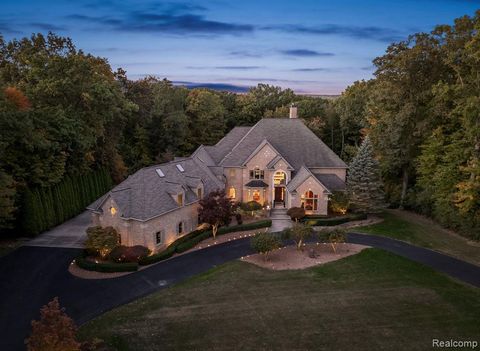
[313, 48]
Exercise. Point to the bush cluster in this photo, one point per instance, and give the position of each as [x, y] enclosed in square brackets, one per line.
[327, 222]
[105, 267]
[128, 253]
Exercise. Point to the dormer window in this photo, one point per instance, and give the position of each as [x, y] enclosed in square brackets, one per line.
[180, 199]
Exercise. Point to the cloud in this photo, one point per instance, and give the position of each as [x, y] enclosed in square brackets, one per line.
[239, 68]
[47, 26]
[215, 86]
[356, 32]
[305, 53]
[244, 53]
[312, 69]
[5, 28]
[164, 22]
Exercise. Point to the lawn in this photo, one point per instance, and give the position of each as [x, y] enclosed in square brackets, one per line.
[418, 230]
[371, 301]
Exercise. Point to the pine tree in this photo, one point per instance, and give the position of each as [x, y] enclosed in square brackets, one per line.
[364, 185]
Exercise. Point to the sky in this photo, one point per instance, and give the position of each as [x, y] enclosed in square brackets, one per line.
[310, 46]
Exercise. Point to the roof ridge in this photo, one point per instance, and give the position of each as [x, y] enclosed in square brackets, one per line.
[233, 148]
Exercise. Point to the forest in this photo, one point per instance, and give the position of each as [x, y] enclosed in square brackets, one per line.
[71, 125]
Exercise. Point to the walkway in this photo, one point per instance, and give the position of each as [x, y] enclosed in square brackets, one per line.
[32, 276]
[280, 220]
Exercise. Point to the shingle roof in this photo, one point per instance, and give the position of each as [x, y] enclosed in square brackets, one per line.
[145, 194]
[256, 183]
[331, 181]
[218, 151]
[293, 140]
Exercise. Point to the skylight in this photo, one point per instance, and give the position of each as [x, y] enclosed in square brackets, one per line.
[160, 173]
[180, 168]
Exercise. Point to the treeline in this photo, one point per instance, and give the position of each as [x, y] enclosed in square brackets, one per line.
[46, 207]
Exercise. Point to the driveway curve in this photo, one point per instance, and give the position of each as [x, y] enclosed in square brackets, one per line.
[32, 276]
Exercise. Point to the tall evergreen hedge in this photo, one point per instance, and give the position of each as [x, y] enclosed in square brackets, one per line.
[44, 208]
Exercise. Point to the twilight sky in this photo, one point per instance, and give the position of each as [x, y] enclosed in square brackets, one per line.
[311, 46]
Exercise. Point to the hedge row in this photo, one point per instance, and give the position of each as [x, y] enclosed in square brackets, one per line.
[193, 238]
[44, 208]
[327, 222]
[103, 267]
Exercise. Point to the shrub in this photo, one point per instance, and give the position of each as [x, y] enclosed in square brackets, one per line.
[335, 237]
[238, 217]
[296, 213]
[264, 242]
[118, 253]
[55, 331]
[100, 241]
[167, 253]
[250, 206]
[136, 253]
[339, 202]
[327, 222]
[105, 267]
[298, 233]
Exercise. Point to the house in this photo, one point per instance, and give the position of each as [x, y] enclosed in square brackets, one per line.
[279, 162]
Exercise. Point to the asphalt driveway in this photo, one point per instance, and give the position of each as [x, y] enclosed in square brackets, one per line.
[32, 276]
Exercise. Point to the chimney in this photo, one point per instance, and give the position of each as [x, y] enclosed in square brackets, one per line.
[293, 111]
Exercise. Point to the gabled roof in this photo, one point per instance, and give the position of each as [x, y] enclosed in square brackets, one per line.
[218, 151]
[272, 163]
[289, 136]
[145, 195]
[331, 181]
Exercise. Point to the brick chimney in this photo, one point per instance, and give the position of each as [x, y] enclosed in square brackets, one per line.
[293, 111]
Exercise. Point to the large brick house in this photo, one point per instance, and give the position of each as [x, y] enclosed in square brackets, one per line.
[278, 162]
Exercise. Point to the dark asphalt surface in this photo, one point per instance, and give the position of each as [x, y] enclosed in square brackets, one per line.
[32, 276]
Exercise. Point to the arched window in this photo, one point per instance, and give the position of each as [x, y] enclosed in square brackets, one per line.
[232, 193]
[279, 178]
[309, 201]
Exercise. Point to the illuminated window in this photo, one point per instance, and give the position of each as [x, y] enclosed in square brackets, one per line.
[257, 173]
[232, 193]
[256, 195]
[113, 210]
[309, 201]
[279, 178]
[199, 193]
[180, 228]
[231, 172]
[158, 238]
[180, 199]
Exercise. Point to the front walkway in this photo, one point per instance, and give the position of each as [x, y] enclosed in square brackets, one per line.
[70, 234]
[280, 220]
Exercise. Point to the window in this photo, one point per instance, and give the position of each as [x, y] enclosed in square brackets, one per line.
[257, 173]
[256, 195]
[160, 173]
[232, 193]
[231, 172]
[180, 199]
[158, 238]
[113, 210]
[199, 193]
[180, 228]
[309, 201]
[180, 168]
[279, 178]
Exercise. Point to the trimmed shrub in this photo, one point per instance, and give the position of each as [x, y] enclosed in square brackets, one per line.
[105, 267]
[339, 202]
[296, 213]
[136, 253]
[118, 253]
[327, 222]
[336, 237]
[250, 206]
[238, 217]
[167, 253]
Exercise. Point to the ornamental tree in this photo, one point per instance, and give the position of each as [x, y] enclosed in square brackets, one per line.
[336, 237]
[215, 209]
[264, 243]
[364, 185]
[55, 331]
[298, 233]
[100, 241]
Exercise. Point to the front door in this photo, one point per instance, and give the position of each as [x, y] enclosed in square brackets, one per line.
[279, 193]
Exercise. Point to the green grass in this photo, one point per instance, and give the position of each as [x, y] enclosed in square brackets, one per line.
[409, 227]
[370, 301]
